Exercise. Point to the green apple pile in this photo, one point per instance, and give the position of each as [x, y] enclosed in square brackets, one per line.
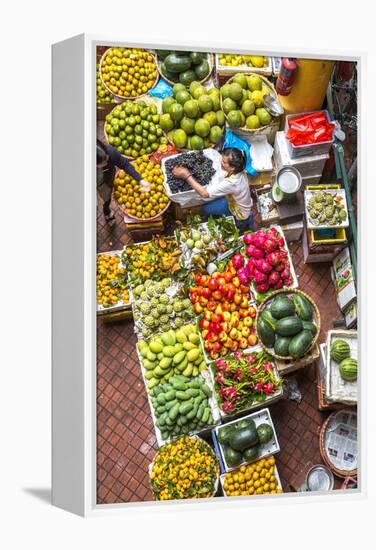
[243, 103]
[193, 119]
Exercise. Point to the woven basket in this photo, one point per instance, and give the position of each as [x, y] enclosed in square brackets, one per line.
[340, 473]
[316, 318]
[210, 60]
[216, 483]
[142, 219]
[261, 130]
[120, 97]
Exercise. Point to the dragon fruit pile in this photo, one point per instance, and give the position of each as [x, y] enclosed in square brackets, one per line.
[268, 266]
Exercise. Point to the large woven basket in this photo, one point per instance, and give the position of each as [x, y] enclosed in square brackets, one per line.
[121, 98]
[340, 473]
[210, 60]
[261, 130]
[216, 483]
[316, 319]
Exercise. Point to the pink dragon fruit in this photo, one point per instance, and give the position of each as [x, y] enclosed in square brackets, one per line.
[238, 355]
[270, 244]
[259, 386]
[249, 238]
[263, 287]
[219, 378]
[274, 277]
[264, 266]
[268, 388]
[280, 267]
[242, 275]
[288, 281]
[285, 274]
[274, 258]
[278, 284]
[259, 277]
[238, 261]
[267, 367]
[260, 239]
[253, 252]
[228, 407]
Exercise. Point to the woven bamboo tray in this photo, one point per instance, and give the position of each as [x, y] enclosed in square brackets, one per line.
[273, 93]
[316, 320]
[338, 472]
[216, 483]
[120, 97]
[210, 60]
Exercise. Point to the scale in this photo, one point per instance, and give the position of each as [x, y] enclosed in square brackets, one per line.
[287, 184]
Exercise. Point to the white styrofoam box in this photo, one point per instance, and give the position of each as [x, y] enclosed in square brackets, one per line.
[276, 475]
[337, 389]
[311, 149]
[308, 166]
[259, 417]
[190, 197]
[120, 305]
[293, 231]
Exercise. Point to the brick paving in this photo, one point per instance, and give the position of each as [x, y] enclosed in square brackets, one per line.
[126, 440]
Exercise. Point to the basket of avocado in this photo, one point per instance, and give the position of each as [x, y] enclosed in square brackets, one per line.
[288, 324]
[246, 440]
[184, 67]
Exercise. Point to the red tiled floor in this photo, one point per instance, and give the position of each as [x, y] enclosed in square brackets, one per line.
[126, 440]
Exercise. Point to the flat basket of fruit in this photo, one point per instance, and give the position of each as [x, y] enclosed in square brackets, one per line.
[132, 127]
[228, 64]
[131, 196]
[112, 283]
[288, 324]
[128, 73]
[184, 67]
[243, 104]
[183, 469]
[246, 440]
[258, 478]
[342, 367]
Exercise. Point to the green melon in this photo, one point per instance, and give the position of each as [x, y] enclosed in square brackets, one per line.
[339, 350]
[348, 369]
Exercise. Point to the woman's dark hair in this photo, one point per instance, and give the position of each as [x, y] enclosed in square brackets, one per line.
[102, 155]
[236, 158]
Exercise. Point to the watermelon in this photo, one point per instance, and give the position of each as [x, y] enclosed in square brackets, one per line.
[265, 433]
[339, 350]
[348, 369]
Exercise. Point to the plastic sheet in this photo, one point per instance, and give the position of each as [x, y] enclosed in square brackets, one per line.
[310, 128]
[232, 140]
[162, 89]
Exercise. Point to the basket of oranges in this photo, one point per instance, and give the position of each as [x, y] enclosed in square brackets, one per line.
[112, 291]
[132, 197]
[128, 73]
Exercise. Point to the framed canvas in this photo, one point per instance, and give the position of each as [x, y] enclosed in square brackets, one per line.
[206, 281]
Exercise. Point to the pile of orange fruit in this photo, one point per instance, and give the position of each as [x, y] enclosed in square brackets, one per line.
[131, 195]
[257, 478]
[111, 281]
[128, 72]
[103, 95]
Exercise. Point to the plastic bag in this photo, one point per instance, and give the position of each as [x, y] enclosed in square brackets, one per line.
[162, 89]
[231, 140]
[291, 390]
[310, 128]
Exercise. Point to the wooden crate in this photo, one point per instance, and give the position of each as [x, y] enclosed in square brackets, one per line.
[181, 214]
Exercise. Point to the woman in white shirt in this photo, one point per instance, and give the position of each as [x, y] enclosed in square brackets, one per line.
[231, 194]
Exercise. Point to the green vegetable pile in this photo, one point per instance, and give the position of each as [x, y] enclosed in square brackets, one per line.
[286, 324]
[241, 442]
[159, 306]
[184, 67]
[172, 353]
[182, 406]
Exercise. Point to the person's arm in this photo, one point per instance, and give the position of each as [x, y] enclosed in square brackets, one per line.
[184, 174]
[121, 162]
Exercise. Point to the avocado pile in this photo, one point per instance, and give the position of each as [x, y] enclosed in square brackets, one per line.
[192, 118]
[241, 442]
[243, 102]
[184, 67]
[286, 324]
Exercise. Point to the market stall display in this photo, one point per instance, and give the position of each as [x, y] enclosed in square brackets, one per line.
[192, 119]
[186, 468]
[288, 324]
[201, 243]
[132, 127]
[326, 208]
[159, 307]
[242, 101]
[112, 283]
[128, 72]
[247, 440]
[342, 367]
[259, 478]
[131, 196]
[155, 259]
[184, 67]
[226, 316]
[309, 133]
[269, 265]
[244, 381]
[103, 95]
[174, 352]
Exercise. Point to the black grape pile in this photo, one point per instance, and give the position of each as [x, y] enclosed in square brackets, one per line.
[200, 166]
